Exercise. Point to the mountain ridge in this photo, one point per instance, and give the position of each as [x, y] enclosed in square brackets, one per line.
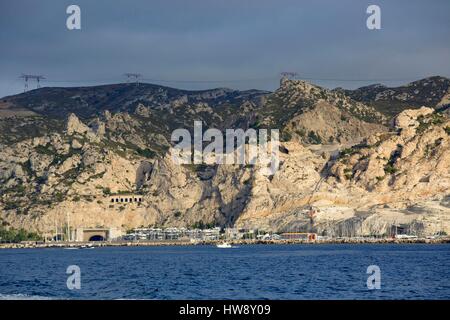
[63, 162]
[432, 91]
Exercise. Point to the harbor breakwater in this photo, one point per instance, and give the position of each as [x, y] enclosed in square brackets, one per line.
[137, 243]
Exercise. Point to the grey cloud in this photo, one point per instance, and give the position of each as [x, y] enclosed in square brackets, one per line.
[213, 40]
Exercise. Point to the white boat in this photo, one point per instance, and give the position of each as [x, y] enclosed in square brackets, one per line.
[223, 245]
[88, 246]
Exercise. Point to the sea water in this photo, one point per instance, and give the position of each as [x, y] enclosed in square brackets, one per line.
[317, 271]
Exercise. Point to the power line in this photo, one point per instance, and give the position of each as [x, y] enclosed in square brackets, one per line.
[358, 80]
[290, 75]
[81, 81]
[159, 80]
[210, 81]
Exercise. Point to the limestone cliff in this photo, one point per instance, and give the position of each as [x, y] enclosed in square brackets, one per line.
[397, 178]
[353, 175]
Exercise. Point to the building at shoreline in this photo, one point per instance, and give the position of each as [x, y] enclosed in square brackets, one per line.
[299, 236]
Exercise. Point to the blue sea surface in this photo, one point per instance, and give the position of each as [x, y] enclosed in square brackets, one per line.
[248, 272]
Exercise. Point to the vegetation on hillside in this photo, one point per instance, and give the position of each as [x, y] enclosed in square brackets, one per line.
[17, 235]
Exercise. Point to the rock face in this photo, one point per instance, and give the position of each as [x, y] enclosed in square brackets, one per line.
[74, 125]
[193, 195]
[409, 119]
[325, 123]
[398, 179]
[417, 152]
[352, 175]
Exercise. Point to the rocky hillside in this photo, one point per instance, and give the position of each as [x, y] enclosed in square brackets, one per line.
[432, 92]
[63, 171]
[62, 162]
[87, 102]
[399, 178]
[337, 118]
[156, 110]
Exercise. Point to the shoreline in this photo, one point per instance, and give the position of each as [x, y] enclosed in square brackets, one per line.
[141, 243]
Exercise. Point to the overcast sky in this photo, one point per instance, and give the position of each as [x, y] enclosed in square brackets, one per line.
[215, 40]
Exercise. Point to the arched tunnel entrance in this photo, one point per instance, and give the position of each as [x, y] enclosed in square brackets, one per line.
[97, 234]
[97, 237]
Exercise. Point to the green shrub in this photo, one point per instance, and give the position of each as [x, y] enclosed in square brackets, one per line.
[147, 153]
[45, 150]
[346, 152]
[18, 190]
[390, 169]
[201, 225]
[10, 205]
[300, 132]
[423, 125]
[286, 136]
[59, 197]
[437, 119]
[314, 138]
